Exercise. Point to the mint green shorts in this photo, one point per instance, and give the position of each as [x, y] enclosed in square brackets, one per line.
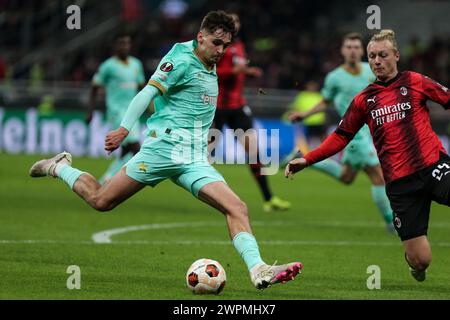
[360, 154]
[153, 164]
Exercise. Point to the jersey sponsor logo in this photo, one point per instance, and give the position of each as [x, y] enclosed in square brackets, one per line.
[390, 113]
[166, 67]
[403, 91]
[390, 109]
[209, 100]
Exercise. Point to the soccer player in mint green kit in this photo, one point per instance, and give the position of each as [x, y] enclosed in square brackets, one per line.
[122, 76]
[184, 90]
[341, 86]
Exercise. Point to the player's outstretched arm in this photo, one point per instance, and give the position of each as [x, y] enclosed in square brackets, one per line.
[352, 121]
[435, 91]
[114, 139]
[295, 116]
[134, 111]
[100, 79]
[294, 166]
[92, 101]
[332, 145]
[255, 72]
[138, 105]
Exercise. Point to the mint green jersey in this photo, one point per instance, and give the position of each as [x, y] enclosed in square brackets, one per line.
[176, 143]
[121, 81]
[185, 110]
[341, 87]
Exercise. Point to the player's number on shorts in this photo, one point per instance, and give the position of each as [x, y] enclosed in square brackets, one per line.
[442, 170]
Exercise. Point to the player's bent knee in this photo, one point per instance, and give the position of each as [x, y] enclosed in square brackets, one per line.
[238, 208]
[378, 180]
[103, 205]
[420, 261]
[422, 264]
[347, 180]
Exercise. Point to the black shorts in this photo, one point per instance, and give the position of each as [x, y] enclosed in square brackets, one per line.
[411, 197]
[240, 118]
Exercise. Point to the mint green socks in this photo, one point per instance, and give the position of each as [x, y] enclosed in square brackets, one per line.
[382, 202]
[69, 175]
[330, 167]
[246, 245]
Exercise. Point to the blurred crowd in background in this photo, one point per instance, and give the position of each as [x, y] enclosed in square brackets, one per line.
[292, 41]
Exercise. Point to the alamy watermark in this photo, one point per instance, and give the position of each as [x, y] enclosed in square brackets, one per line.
[191, 145]
[374, 280]
[373, 22]
[73, 22]
[74, 280]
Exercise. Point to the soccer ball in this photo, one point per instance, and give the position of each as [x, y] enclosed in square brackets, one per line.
[206, 276]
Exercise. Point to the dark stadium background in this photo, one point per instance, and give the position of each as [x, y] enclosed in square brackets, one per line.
[293, 41]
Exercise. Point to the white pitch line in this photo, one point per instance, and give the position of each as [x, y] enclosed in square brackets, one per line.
[339, 243]
[44, 242]
[105, 235]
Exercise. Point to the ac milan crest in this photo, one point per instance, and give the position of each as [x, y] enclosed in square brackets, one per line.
[397, 222]
[403, 91]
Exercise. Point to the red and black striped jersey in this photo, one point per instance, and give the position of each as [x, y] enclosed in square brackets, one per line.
[231, 86]
[399, 121]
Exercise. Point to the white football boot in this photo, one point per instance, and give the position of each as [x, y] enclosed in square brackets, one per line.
[264, 275]
[46, 167]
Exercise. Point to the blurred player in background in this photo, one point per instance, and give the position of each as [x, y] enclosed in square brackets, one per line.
[415, 164]
[341, 86]
[184, 88]
[122, 76]
[313, 129]
[232, 110]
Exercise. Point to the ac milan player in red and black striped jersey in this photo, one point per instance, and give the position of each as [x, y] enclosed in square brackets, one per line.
[232, 110]
[415, 165]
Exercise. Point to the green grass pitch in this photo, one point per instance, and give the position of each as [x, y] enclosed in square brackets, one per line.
[334, 230]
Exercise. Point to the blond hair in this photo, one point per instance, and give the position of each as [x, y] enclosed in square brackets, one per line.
[386, 34]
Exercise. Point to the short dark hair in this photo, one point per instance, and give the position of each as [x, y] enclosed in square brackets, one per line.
[353, 36]
[219, 20]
